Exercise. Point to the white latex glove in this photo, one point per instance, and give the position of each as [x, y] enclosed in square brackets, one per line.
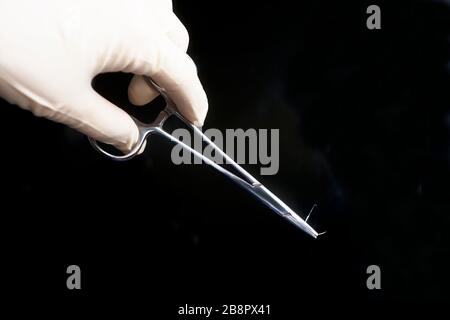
[50, 50]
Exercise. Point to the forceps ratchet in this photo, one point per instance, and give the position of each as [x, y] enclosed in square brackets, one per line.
[249, 183]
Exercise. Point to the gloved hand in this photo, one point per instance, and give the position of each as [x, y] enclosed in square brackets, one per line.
[51, 49]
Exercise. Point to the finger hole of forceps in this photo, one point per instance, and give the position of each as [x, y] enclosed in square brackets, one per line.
[144, 129]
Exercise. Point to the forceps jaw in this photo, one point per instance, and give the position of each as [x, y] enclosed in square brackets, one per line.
[272, 201]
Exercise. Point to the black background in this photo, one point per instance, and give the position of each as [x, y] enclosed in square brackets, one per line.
[364, 125]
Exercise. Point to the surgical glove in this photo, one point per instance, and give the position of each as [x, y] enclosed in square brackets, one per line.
[50, 50]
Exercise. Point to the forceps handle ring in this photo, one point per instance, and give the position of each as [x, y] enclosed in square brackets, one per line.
[144, 129]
